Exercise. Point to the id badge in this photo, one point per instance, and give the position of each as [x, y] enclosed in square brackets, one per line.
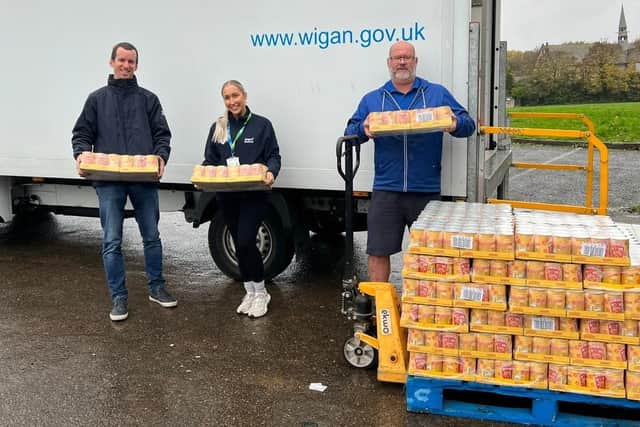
[233, 161]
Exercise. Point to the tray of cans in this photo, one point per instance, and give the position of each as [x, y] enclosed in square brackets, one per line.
[428, 267]
[230, 178]
[564, 237]
[468, 230]
[119, 167]
[423, 120]
[466, 295]
[481, 370]
[587, 380]
[476, 345]
[587, 304]
[434, 318]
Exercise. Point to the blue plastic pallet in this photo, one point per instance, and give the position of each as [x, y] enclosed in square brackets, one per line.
[518, 405]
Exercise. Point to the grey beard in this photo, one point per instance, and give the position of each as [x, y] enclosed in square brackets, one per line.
[402, 75]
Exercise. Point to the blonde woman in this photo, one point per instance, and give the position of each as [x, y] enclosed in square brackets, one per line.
[242, 137]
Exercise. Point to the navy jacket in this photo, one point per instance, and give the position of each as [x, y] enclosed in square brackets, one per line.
[408, 163]
[122, 118]
[257, 144]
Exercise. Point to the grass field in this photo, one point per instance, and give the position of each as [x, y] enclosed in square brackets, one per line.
[614, 122]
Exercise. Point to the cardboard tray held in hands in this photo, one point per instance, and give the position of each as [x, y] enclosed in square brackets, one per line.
[116, 167]
[230, 178]
[401, 122]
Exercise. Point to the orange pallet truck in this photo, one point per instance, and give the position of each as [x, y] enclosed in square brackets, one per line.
[377, 335]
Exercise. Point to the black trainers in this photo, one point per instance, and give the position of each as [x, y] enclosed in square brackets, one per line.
[162, 297]
[119, 310]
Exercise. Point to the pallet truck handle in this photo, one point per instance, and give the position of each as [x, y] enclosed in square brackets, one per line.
[344, 148]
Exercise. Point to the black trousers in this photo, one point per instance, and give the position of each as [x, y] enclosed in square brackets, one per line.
[243, 212]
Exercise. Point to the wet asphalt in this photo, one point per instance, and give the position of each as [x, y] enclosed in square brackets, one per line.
[568, 187]
[63, 362]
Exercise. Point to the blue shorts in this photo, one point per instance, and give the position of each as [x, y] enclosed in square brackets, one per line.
[389, 213]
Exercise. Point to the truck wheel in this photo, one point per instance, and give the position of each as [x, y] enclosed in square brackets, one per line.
[275, 245]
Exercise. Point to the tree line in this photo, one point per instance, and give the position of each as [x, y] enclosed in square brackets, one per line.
[606, 73]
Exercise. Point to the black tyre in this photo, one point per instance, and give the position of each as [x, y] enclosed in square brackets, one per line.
[275, 245]
[35, 224]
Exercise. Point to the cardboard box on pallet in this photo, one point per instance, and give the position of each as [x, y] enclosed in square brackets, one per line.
[512, 373]
[587, 380]
[474, 345]
[499, 322]
[583, 304]
[610, 331]
[632, 385]
[434, 318]
[427, 267]
[464, 295]
[438, 366]
[540, 349]
[487, 371]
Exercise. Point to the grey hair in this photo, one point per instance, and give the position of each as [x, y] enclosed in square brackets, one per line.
[399, 43]
[220, 134]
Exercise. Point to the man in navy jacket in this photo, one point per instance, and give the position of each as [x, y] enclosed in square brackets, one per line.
[407, 167]
[124, 118]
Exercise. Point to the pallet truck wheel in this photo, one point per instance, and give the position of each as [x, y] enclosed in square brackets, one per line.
[360, 355]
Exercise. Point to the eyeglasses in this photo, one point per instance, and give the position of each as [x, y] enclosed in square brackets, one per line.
[402, 58]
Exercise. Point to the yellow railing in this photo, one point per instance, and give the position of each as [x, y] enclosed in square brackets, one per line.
[592, 142]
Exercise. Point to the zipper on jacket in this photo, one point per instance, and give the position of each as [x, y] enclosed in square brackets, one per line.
[120, 99]
[406, 139]
[405, 178]
[405, 160]
[405, 156]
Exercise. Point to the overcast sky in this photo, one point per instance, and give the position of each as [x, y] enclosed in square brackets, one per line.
[526, 24]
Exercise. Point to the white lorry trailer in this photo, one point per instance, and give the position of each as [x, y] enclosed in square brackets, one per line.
[305, 66]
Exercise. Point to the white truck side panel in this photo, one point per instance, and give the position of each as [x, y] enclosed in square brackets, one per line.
[327, 56]
[85, 196]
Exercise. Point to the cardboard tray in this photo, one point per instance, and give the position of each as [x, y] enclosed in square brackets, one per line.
[232, 186]
[425, 120]
[103, 175]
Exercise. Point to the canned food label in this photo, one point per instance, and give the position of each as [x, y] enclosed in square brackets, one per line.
[543, 323]
[424, 116]
[462, 242]
[593, 249]
[472, 294]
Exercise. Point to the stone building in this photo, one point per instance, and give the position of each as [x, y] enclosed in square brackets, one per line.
[628, 54]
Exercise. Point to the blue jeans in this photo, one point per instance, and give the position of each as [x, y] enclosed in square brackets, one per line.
[112, 197]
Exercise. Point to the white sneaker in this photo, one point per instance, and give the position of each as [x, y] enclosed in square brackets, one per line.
[245, 305]
[259, 306]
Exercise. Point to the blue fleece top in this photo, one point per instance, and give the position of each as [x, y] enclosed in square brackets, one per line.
[408, 163]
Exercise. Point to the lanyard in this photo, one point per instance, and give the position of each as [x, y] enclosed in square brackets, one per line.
[232, 144]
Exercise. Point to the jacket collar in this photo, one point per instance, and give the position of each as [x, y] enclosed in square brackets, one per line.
[240, 119]
[417, 83]
[123, 84]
